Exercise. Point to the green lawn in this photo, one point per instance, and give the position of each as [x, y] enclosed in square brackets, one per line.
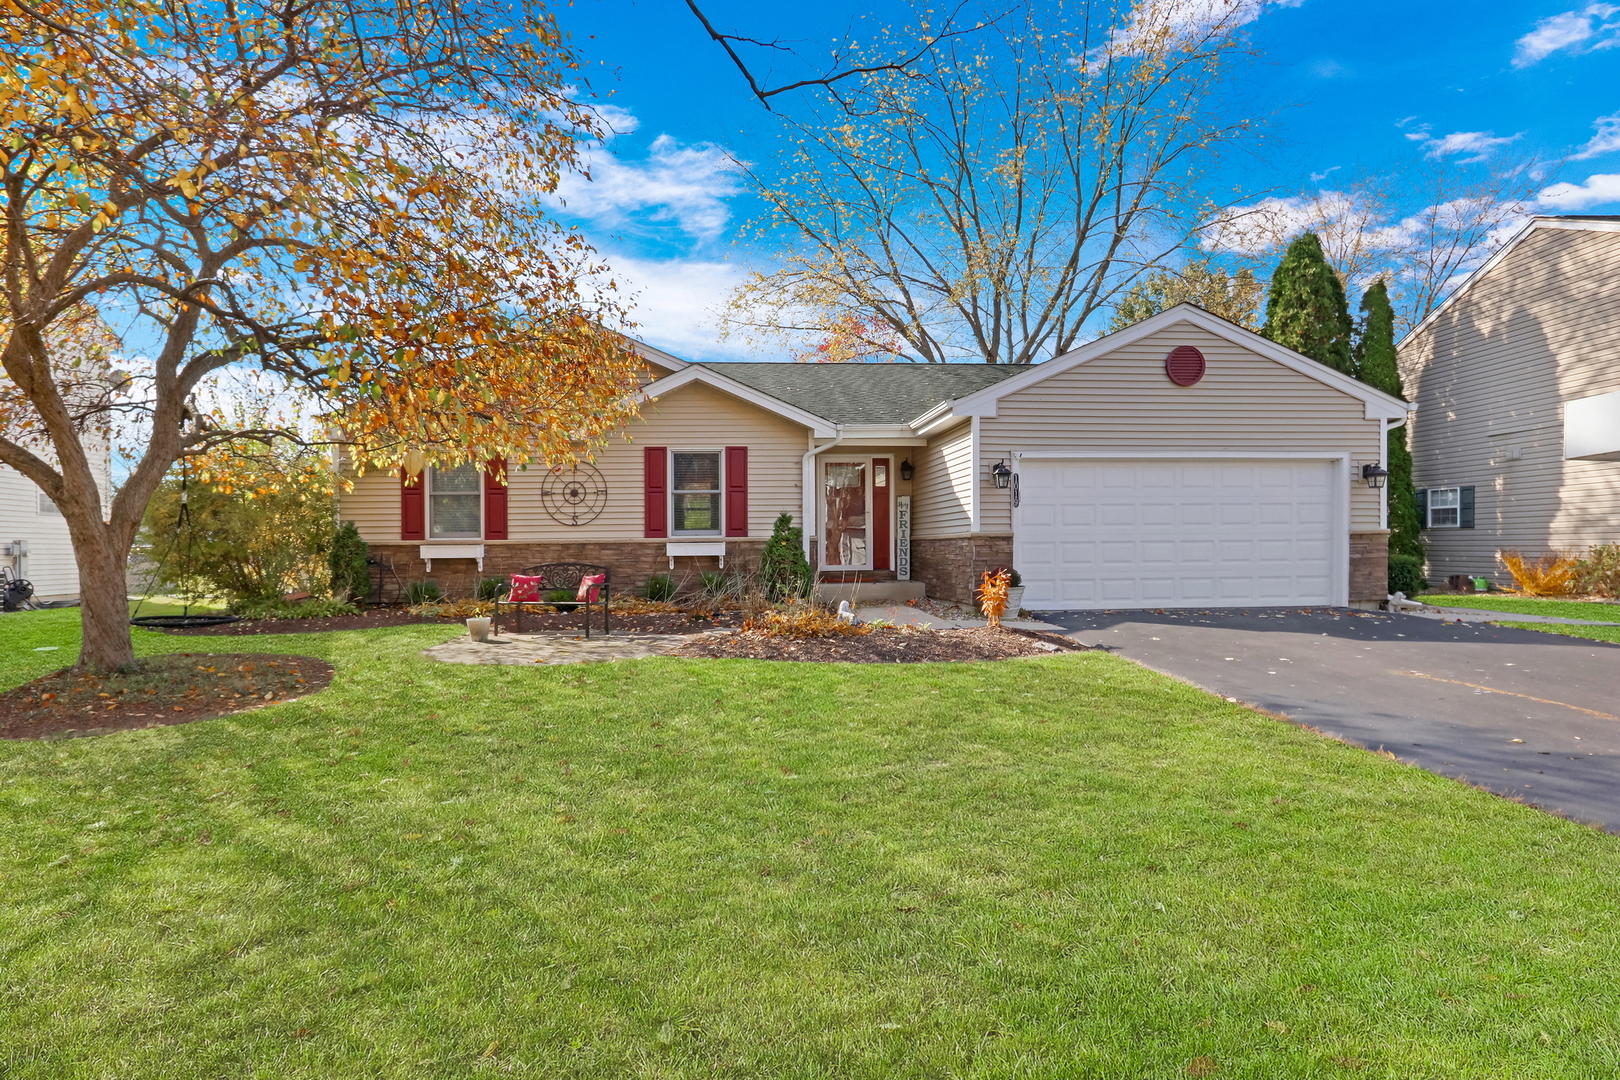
[1596, 633]
[1063, 867]
[1527, 605]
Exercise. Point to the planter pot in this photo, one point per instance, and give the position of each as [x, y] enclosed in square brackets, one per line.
[478, 628]
[1015, 601]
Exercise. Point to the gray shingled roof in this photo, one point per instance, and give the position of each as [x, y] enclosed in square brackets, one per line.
[866, 393]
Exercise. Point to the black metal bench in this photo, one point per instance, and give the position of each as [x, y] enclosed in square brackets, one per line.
[560, 575]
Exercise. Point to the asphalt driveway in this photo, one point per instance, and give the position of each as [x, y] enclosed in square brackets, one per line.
[1531, 715]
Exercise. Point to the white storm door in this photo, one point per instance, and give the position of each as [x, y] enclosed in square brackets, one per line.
[1150, 533]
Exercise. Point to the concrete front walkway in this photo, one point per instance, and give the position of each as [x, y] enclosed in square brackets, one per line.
[554, 648]
[1481, 615]
[1530, 715]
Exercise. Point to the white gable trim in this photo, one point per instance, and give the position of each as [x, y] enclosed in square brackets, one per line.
[658, 357]
[1502, 252]
[819, 426]
[1379, 405]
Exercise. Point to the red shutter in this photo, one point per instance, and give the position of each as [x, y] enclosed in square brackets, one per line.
[495, 499]
[656, 489]
[880, 515]
[736, 491]
[412, 506]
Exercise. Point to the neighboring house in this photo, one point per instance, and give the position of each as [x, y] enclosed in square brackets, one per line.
[1516, 439]
[34, 541]
[1183, 462]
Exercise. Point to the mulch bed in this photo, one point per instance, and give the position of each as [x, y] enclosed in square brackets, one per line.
[657, 622]
[370, 619]
[884, 646]
[173, 689]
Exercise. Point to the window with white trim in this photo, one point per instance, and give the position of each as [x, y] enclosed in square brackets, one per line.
[1445, 508]
[47, 506]
[694, 493]
[455, 501]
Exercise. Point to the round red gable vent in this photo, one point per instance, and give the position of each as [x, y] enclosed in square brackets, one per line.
[1184, 365]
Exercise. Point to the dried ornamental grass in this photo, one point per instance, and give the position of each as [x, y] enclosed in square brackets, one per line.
[1552, 574]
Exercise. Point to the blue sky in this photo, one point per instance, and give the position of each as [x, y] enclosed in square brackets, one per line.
[1351, 89]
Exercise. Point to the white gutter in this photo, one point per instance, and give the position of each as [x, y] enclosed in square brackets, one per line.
[807, 483]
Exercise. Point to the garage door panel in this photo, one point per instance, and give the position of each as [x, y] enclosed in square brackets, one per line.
[1164, 533]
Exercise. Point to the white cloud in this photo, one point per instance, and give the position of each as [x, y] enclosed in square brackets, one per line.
[1580, 31]
[686, 185]
[678, 304]
[1605, 141]
[1323, 175]
[1154, 25]
[1478, 143]
[1598, 189]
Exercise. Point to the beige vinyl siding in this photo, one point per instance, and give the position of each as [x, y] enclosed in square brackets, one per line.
[1123, 402]
[694, 417]
[1490, 375]
[50, 563]
[941, 488]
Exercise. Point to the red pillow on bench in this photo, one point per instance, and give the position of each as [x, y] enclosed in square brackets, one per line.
[525, 589]
[589, 587]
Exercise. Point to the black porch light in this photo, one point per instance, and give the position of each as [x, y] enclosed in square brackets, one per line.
[906, 470]
[1374, 474]
[1001, 474]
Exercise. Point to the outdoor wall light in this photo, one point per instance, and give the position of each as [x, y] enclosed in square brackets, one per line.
[906, 470]
[1001, 474]
[1374, 474]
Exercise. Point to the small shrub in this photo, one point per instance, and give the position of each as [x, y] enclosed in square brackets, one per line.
[993, 595]
[1406, 575]
[660, 588]
[424, 592]
[783, 569]
[1552, 574]
[563, 598]
[351, 577]
[802, 620]
[714, 583]
[1599, 573]
[283, 609]
[491, 588]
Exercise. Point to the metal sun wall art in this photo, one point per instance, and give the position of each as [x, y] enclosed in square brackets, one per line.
[574, 494]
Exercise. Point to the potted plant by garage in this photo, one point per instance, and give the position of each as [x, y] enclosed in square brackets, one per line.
[1015, 593]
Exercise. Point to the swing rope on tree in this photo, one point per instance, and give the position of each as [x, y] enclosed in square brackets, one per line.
[182, 537]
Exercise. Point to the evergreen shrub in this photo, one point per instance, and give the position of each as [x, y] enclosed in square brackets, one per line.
[783, 568]
[351, 578]
[1406, 575]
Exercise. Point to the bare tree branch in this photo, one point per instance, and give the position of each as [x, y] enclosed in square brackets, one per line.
[764, 94]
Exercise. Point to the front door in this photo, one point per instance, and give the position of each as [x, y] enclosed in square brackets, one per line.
[846, 516]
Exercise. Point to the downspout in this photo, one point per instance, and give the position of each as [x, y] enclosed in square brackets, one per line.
[807, 482]
[1383, 507]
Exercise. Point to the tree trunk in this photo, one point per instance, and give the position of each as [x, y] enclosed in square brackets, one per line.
[103, 560]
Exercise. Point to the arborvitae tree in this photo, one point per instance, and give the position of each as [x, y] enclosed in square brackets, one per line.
[783, 567]
[1234, 297]
[1376, 366]
[351, 577]
[1306, 309]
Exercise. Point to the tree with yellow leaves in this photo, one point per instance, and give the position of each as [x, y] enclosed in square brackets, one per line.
[344, 195]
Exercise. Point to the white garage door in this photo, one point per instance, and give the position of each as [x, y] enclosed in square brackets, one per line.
[1163, 533]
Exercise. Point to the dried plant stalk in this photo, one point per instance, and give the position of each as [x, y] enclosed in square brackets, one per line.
[993, 595]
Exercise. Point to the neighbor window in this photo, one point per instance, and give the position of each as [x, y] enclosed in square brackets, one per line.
[1445, 508]
[46, 506]
[455, 501]
[696, 493]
